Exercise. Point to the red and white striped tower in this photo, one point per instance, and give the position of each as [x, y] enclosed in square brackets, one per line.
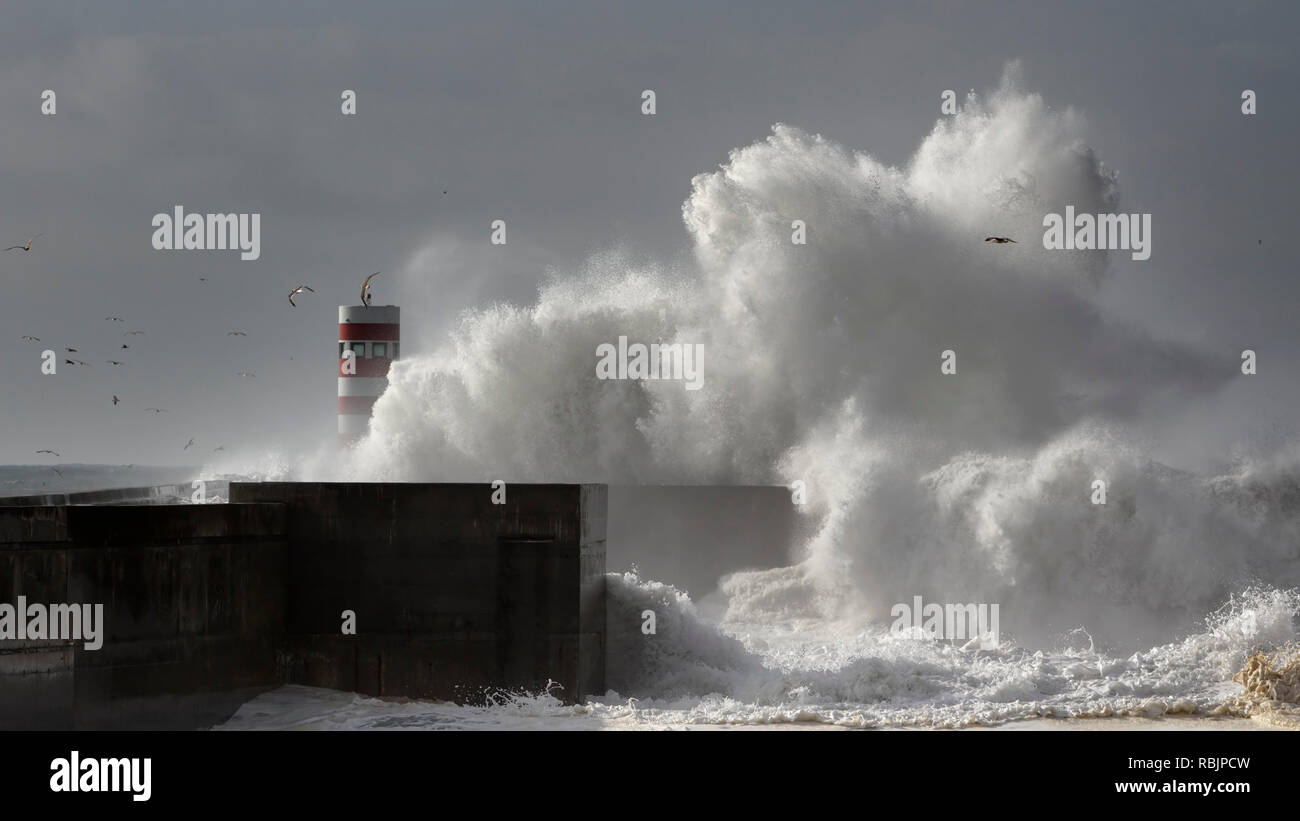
[372, 333]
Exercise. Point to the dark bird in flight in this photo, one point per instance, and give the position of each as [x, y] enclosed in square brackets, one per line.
[26, 247]
[56, 470]
[365, 289]
[113, 362]
[115, 400]
[189, 444]
[218, 448]
[75, 362]
[236, 333]
[114, 319]
[998, 240]
[49, 452]
[299, 290]
[203, 279]
[32, 338]
[72, 350]
[126, 347]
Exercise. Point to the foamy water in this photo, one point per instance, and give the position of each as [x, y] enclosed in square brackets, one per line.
[822, 366]
[696, 673]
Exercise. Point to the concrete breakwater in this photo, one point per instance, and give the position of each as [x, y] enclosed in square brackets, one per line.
[403, 590]
[207, 605]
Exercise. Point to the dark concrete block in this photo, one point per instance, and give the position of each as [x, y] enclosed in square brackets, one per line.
[455, 597]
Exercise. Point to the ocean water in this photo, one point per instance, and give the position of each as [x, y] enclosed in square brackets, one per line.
[694, 673]
[822, 366]
[27, 480]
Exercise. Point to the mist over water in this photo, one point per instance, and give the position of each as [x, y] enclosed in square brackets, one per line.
[822, 365]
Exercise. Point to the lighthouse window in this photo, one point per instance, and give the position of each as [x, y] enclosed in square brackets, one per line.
[380, 350]
[359, 348]
[341, 344]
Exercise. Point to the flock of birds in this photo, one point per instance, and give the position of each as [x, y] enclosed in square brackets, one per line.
[27, 247]
[114, 362]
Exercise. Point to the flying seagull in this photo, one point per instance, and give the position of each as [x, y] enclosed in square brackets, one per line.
[32, 338]
[49, 452]
[189, 444]
[26, 247]
[365, 289]
[998, 240]
[218, 448]
[299, 290]
[236, 333]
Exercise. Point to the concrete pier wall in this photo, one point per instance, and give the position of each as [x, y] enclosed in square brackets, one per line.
[193, 613]
[206, 605]
[453, 595]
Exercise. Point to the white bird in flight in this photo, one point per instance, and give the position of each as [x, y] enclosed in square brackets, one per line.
[365, 289]
[299, 290]
[26, 247]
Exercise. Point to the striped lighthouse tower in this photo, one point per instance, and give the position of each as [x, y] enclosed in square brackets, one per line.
[369, 336]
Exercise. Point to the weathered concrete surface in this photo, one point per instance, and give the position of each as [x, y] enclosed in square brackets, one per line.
[205, 605]
[453, 595]
[193, 602]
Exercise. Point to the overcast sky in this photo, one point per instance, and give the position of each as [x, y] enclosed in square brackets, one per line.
[530, 112]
